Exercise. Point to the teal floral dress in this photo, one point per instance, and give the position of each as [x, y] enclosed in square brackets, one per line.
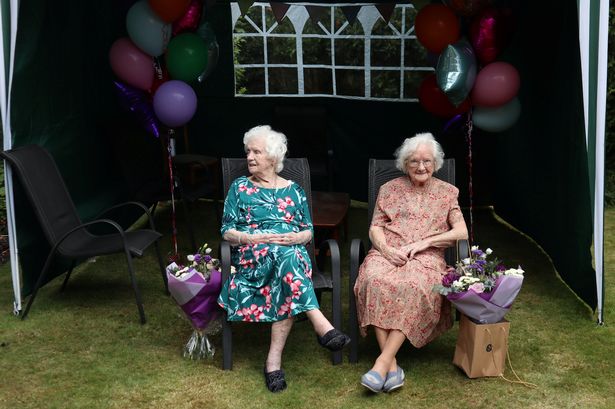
[272, 282]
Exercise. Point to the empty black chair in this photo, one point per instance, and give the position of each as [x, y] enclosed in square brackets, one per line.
[298, 170]
[380, 172]
[60, 223]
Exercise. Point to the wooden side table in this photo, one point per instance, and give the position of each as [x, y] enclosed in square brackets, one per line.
[330, 211]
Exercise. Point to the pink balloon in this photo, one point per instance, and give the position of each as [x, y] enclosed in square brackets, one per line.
[191, 18]
[131, 65]
[490, 31]
[495, 85]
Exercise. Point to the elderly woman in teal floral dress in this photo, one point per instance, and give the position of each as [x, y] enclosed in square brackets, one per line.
[267, 220]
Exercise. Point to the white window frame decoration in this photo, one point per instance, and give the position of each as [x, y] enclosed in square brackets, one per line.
[298, 15]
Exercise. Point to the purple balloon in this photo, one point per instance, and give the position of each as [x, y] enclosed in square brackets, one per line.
[174, 103]
[137, 101]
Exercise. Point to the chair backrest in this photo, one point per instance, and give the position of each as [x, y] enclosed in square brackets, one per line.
[295, 169]
[45, 188]
[383, 170]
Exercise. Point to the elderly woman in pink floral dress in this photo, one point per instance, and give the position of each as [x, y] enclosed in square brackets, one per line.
[416, 217]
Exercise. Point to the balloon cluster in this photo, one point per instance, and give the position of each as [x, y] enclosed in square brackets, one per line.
[467, 74]
[169, 46]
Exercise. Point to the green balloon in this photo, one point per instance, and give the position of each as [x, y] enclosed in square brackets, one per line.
[186, 57]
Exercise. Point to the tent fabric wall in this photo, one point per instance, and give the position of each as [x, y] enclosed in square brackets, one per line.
[593, 38]
[62, 99]
[8, 34]
[542, 175]
[536, 174]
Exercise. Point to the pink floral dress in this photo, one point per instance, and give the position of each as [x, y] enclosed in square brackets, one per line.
[272, 282]
[402, 298]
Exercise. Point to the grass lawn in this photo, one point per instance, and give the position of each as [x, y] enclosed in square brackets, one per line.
[84, 348]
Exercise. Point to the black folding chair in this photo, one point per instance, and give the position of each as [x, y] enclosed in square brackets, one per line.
[62, 227]
[298, 170]
[380, 172]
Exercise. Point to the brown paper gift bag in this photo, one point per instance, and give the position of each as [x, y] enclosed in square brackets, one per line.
[481, 348]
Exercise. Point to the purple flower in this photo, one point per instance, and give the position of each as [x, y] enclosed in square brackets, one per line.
[449, 278]
[207, 258]
[500, 267]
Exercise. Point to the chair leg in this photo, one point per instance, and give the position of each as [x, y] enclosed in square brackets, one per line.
[70, 270]
[227, 345]
[135, 288]
[39, 282]
[165, 280]
[336, 300]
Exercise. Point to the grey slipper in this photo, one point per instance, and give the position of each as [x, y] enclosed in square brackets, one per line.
[394, 380]
[372, 381]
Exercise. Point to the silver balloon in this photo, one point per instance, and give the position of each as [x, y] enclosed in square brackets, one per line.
[456, 71]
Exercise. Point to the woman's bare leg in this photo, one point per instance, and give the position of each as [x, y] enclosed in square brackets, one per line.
[382, 336]
[386, 360]
[279, 334]
[320, 323]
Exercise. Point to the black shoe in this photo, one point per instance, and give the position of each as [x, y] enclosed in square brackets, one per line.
[334, 340]
[275, 380]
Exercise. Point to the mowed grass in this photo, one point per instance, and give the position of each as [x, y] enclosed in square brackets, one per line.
[84, 348]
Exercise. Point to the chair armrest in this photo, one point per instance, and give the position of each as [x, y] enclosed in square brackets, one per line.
[225, 259]
[336, 280]
[330, 246]
[463, 249]
[357, 254]
[88, 224]
[131, 203]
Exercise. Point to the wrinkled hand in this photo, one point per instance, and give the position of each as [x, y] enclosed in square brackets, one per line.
[394, 256]
[285, 239]
[256, 238]
[417, 247]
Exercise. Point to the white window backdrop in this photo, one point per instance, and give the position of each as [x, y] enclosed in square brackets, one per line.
[316, 51]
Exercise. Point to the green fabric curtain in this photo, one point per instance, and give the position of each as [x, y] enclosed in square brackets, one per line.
[535, 174]
[542, 173]
[62, 99]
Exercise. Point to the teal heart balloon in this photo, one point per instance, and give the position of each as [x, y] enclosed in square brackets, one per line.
[456, 71]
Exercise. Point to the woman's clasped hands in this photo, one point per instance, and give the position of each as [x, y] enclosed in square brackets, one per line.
[283, 239]
[399, 257]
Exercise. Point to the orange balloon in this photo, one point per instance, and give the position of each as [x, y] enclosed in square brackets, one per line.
[435, 101]
[169, 10]
[436, 26]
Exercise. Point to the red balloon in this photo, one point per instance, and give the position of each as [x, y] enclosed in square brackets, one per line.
[436, 26]
[435, 101]
[490, 31]
[169, 10]
[495, 85]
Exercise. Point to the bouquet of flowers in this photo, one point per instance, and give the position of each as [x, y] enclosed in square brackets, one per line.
[195, 287]
[480, 287]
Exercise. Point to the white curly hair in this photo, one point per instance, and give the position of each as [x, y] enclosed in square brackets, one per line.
[275, 143]
[410, 146]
